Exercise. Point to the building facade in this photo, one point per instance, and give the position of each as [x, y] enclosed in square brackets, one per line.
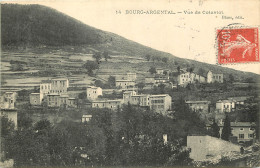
[53, 100]
[86, 118]
[36, 99]
[127, 96]
[244, 131]
[45, 88]
[161, 103]
[124, 84]
[8, 100]
[211, 77]
[185, 78]
[93, 92]
[110, 104]
[223, 106]
[206, 147]
[59, 85]
[201, 106]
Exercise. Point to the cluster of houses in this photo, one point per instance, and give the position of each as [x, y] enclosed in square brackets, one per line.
[222, 106]
[190, 77]
[54, 93]
[7, 106]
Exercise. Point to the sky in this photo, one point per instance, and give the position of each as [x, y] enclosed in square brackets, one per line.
[191, 36]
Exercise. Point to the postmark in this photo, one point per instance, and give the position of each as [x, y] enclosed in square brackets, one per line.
[237, 45]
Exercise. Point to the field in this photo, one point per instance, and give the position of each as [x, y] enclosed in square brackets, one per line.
[44, 66]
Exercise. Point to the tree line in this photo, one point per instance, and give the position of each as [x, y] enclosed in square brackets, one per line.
[130, 136]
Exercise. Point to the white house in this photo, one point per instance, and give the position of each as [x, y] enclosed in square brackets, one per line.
[86, 118]
[59, 85]
[8, 100]
[93, 92]
[110, 104]
[124, 84]
[211, 77]
[45, 88]
[225, 106]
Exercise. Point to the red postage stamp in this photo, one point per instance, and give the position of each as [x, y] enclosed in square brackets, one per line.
[237, 45]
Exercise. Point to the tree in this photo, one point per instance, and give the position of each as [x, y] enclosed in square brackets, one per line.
[7, 126]
[201, 71]
[226, 131]
[111, 81]
[165, 59]
[231, 78]
[90, 66]
[97, 56]
[148, 57]
[152, 70]
[215, 130]
[24, 122]
[140, 85]
[179, 69]
[106, 55]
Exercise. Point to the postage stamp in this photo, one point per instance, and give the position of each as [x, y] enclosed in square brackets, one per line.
[237, 45]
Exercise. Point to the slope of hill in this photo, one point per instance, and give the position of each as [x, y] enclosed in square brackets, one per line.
[35, 25]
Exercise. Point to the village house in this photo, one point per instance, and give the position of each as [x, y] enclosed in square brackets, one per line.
[239, 100]
[72, 102]
[36, 99]
[201, 106]
[211, 77]
[243, 131]
[159, 71]
[127, 96]
[157, 79]
[161, 103]
[57, 100]
[223, 106]
[131, 76]
[86, 118]
[158, 103]
[93, 92]
[124, 84]
[59, 85]
[205, 147]
[140, 100]
[53, 100]
[8, 100]
[189, 77]
[45, 88]
[110, 104]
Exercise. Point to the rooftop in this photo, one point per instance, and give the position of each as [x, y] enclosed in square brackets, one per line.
[59, 79]
[87, 116]
[194, 101]
[35, 93]
[239, 124]
[161, 95]
[121, 80]
[53, 94]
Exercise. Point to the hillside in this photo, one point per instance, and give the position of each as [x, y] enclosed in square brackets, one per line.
[35, 26]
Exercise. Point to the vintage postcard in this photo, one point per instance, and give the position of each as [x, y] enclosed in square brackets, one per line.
[120, 83]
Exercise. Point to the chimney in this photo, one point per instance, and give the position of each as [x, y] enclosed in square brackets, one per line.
[165, 139]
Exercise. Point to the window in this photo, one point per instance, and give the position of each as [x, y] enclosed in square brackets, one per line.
[241, 129]
[250, 135]
[241, 136]
[251, 129]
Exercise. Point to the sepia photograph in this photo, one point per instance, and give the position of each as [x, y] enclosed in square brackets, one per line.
[129, 83]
